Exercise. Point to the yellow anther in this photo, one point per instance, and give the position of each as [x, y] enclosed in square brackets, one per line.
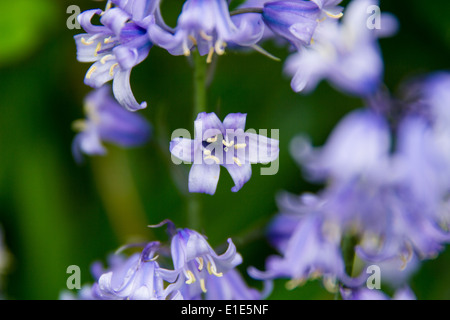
[334, 16]
[86, 43]
[98, 48]
[212, 270]
[111, 70]
[237, 161]
[154, 258]
[191, 278]
[219, 47]
[194, 41]
[202, 285]
[90, 72]
[212, 140]
[228, 144]
[106, 58]
[210, 55]
[108, 40]
[294, 283]
[79, 125]
[186, 50]
[240, 146]
[207, 152]
[216, 160]
[108, 5]
[205, 36]
[201, 263]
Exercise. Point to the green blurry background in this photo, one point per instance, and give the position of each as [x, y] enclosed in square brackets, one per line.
[55, 213]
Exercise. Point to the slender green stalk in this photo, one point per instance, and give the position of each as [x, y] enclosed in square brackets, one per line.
[200, 76]
[194, 206]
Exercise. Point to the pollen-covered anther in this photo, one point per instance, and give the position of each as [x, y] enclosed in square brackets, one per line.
[106, 58]
[240, 146]
[86, 42]
[213, 271]
[210, 55]
[219, 47]
[228, 144]
[205, 36]
[194, 41]
[212, 140]
[191, 278]
[202, 285]
[237, 161]
[201, 263]
[111, 70]
[90, 72]
[294, 283]
[108, 40]
[334, 16]
[98, 48]
[79, 125]
[216, 160]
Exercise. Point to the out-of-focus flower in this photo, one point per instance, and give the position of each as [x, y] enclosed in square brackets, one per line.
[295, 21]
[139, 278]
[114, 47]
[367, 294]
[207, 25]
[222, 144]
[107, 121]
[346, 54]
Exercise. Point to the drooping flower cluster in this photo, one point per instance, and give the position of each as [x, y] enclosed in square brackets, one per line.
[393, 200]
[196, 272]
[344, 53]
[107, 121]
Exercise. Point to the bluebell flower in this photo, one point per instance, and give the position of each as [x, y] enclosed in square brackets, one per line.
[195, 262]
[346, 54]
[404, 293]
[222, 144]
[114, 47]
[294, 20]
[330, 8]
[253, 22]
[138, 278]
[205, 24]
[107, 121]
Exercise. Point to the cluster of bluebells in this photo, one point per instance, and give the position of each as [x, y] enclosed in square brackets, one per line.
[187, 268]
[387, 187]
[392, 200]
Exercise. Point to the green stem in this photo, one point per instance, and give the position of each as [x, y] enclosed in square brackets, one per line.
[200, 75]
[194, 205]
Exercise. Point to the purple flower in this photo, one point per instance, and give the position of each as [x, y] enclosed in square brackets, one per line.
[330, 8]
[253, 22]
[293, 20]
[346, 54]
[138, 278]
[358, 145]
[206, 24]
[107, 121]
[195, 262]
[115, 47]
[366, 294]
[222, 144]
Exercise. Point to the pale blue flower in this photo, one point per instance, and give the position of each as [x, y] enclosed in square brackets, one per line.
[346, 54]
[107, 121]
[114, 47]
[222, 144]
[207, 25]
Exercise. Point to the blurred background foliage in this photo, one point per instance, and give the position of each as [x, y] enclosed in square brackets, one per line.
[55, 213]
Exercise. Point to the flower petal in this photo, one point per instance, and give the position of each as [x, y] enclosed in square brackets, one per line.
[240, 174]
[203, 178]
[122, 91]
